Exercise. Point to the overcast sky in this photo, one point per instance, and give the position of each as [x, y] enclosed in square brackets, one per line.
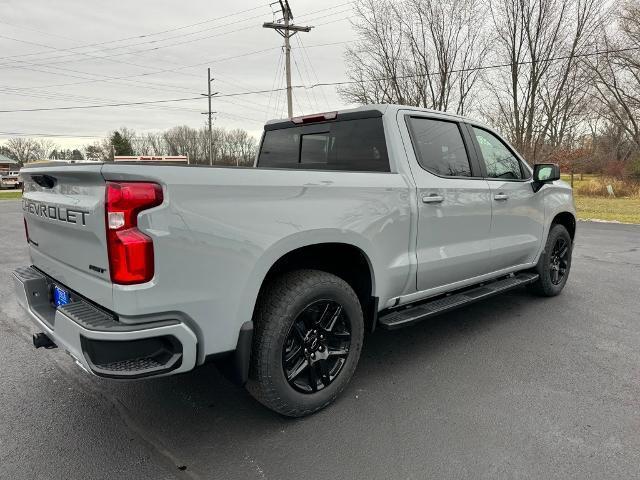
[46, 60]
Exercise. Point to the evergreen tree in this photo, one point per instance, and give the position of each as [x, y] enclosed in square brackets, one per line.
[7, 152]
[121, 145]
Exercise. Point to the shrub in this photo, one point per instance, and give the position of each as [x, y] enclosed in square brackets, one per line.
[615, 168]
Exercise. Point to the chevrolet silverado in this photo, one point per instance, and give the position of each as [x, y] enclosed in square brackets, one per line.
[375, 217]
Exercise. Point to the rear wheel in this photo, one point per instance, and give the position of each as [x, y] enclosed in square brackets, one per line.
[554, 263]
[309, 331]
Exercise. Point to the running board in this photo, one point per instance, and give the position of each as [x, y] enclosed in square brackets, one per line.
[413, 314]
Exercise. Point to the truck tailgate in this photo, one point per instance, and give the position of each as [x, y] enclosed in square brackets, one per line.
[63, 208]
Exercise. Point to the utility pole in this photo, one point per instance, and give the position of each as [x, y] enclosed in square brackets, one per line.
[287, 30]
[210, 113]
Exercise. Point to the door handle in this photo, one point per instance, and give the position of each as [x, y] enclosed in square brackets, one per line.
[501, 196]
[433, 198]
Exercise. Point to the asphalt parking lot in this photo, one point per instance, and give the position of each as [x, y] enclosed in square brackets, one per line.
[515, 387]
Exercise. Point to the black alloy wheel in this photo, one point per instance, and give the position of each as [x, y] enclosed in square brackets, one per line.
[559, 261]
[554, 263]
[317, 346]
[307, 340]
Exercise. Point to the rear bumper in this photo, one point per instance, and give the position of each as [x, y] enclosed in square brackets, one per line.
[98, 342]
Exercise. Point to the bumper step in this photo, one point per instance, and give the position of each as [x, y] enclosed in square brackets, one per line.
[413, 314]
[92, 318]
[97, 339]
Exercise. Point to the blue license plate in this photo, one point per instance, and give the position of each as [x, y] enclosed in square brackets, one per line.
[60, 296]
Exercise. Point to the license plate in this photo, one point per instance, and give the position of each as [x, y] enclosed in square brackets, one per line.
[60, 296]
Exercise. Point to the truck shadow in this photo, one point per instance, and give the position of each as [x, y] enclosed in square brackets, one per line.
[202, 414]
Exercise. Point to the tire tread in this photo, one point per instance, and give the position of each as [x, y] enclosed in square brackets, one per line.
[276, 299]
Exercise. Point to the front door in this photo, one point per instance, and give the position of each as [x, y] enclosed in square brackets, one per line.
[517, 222]
[454, 203]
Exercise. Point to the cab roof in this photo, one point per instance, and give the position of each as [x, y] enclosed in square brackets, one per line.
[365, 111]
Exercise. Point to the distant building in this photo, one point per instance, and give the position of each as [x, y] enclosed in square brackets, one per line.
[152, 158]
[7, 164]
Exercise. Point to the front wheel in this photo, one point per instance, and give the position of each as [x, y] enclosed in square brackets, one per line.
[309, 331]
[554, 263]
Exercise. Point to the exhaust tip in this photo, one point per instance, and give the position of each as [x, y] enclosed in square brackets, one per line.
[42, 340]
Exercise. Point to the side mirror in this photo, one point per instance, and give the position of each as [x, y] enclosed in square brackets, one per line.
[546, 172]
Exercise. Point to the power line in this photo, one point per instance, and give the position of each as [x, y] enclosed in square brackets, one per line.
[53, 135]
[135, 36]
[118, 54]
[273, 85]
[98, 80]
[344, 82]
[306, 91]
[305, 54]
[128, 77]
[84, 99]
[82, 107]
[150, 41]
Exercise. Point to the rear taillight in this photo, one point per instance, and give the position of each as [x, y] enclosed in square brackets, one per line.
[130, 250]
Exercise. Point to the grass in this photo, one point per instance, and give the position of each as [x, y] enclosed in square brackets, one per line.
[626, 210]
[10, 194]
[593, 201]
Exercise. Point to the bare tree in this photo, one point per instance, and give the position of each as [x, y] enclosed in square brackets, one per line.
[230, 147]
[149, 144]
[44, 147]
[416, 52]
[617, 73]
[564, 95]
[238, 147]
[23, 149]
[540, 41]
[26, 149]
[186, 141]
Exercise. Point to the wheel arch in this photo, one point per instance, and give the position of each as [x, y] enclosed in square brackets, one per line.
[568, 220]
[345, 260]
[305, 250]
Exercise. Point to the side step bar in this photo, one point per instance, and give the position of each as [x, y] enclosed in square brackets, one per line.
[430, 308]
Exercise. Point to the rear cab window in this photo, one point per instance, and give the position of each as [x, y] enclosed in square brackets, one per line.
[346, 143]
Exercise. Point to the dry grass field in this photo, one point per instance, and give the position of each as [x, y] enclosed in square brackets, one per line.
[593, 201]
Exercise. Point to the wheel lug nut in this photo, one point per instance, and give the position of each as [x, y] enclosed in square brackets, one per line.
[313, 355]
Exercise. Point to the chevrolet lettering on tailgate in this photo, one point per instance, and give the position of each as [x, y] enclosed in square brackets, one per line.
[68, 215]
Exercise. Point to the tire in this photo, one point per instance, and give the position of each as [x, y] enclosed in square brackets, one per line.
[291, 309]
[553, 267]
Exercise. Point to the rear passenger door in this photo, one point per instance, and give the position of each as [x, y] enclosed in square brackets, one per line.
[454, 205]
[518, 213]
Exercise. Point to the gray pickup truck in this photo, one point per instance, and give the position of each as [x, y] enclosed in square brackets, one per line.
[375, 217]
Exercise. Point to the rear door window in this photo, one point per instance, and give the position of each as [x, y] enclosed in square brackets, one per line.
[355, 145]
[439, 147]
